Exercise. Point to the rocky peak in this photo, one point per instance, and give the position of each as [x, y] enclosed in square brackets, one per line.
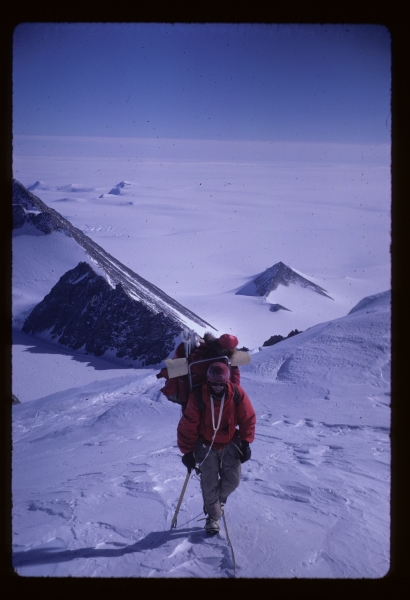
[280, 274]
[83, 311]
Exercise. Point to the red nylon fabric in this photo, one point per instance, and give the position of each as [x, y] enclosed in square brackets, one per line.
[196, 424]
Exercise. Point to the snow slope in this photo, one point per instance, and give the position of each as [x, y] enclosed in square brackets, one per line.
[97, 473]
[39, 261]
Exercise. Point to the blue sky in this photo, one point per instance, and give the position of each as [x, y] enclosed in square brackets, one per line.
[327, 83]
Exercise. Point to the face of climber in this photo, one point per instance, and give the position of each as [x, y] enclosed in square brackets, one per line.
[217, 388]
[218, 377]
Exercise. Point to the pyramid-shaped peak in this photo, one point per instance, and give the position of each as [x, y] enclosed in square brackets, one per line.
[279, 267]
[281, 274]
[116, 190]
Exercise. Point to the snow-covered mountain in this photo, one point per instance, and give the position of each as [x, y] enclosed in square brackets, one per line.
[146, 321]
[285, 289]
[84, 311]
[279, 274]
[97, 473]
[117, 189]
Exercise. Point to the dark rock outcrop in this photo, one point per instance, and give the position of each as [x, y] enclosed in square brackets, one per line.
[272, 278]
[280, 274]
[116, 191]
[83, 310]
[276, 307]
[22, 196]
[43, 221]
[275, 339]
[19, 216]
[27, 210]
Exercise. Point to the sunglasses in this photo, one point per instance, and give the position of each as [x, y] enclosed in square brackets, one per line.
[217, 385]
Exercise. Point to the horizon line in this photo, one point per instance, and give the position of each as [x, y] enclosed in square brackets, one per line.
[209, 140]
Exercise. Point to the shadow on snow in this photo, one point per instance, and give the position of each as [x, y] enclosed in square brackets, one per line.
[156, 539]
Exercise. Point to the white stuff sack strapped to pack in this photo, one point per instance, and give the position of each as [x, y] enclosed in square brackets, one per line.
[240, 358]
[179, 366]
[176, 367]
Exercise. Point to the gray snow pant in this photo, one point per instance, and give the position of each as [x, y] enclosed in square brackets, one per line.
[220, 475]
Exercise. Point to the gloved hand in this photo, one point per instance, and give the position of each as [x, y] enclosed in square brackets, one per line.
[246, 451]
[189, 460]
[173, 398]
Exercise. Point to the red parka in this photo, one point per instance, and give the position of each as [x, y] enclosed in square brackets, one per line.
[198, 424]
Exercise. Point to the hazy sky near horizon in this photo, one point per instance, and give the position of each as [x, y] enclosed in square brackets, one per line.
[321, 83]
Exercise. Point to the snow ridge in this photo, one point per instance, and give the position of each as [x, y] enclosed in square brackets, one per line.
[117, 273]
[372, 303]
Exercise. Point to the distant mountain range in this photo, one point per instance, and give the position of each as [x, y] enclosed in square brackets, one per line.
[121, 312]
[278, 275]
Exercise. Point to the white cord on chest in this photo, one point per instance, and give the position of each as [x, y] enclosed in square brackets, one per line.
[213, 423]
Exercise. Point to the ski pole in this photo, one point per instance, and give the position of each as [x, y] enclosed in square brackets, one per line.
[230, 543]
[174, 520]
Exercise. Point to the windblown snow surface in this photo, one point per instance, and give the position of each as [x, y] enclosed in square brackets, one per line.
[97, 472]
